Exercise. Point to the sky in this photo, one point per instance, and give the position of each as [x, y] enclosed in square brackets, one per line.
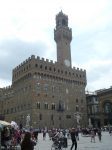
[27, 28]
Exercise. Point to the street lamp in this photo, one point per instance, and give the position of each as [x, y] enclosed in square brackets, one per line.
[0, 135]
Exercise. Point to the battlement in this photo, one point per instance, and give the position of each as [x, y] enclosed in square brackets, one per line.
[7, 88]
[45, 65]
[38, 60]
[27, 61]
[78, 69]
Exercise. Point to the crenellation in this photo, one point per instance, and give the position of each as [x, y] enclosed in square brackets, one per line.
[79, 69]
[29, 59]
[42, 59]
[32, 56]
[26, 60]
[38, 58]
[7, 88]
[51, 61]
[47, 60]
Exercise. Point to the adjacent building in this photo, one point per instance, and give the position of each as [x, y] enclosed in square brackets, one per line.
[99, 108]
[93, 109]
[105, 106]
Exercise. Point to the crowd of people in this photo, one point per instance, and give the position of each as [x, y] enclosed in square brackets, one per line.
[27, 139]
[11, 138]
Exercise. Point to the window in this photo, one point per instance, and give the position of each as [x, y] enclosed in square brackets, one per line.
[64, 22]
[11, 110]
[53, 106]
[49, 68]
[53, 88]
[7, 111]
[52, 117]
[38, 105]
[40, 116]
[40, 66]
[76, 100]
[82, 108]
[108, 107]
[81, 100]
[46, 105]
[54, 70]
[68, 116]
[38, 86]
[59, 117]
[77, 108]
[46, 87]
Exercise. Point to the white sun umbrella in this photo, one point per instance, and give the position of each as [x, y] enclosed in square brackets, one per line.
[4, 123]
[14, 125]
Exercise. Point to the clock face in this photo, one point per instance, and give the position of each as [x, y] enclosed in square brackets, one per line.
[67, 62]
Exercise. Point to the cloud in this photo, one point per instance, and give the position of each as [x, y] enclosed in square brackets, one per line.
[15, 51]
[93, 53]
[26, 28]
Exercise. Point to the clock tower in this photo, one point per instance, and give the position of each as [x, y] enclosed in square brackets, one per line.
[63, 37]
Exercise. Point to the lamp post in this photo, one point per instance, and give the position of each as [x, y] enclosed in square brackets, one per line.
[0, 135]
[0, 138]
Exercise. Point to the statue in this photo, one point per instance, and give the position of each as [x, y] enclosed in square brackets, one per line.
[90, 124]
[28, 121]
[77, 117]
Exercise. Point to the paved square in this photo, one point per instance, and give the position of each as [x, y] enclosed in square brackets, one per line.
[84, 143]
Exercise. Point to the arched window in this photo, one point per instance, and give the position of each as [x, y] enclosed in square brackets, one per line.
[46, 105]
[108, 107]
[64, 22]
[38, 105]
[53, 106]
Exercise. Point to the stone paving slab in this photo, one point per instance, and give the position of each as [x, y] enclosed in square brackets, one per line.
[84, 143]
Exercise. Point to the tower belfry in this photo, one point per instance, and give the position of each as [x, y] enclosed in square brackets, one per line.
[63, 37]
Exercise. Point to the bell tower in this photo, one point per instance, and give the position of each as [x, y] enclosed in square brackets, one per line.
[63, 37]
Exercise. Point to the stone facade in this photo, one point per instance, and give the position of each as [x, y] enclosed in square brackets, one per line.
[93, 109]
[50, 92]
[105, 106]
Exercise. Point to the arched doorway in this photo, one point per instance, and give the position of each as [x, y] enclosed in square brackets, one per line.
[107, 109]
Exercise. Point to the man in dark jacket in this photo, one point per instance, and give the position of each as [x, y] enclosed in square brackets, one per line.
[73, 138]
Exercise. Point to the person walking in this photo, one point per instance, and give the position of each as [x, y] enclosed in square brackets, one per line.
[27, 143]
[77, 134]
[99, 134]
[93, 135]
[73, 138]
